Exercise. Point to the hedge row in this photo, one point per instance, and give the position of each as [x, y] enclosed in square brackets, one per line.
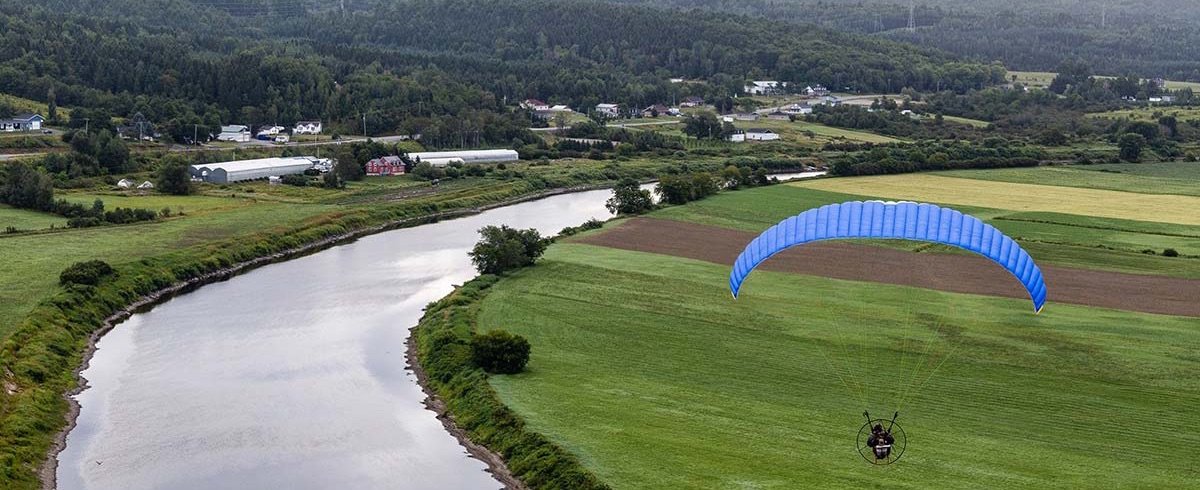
[444, 354]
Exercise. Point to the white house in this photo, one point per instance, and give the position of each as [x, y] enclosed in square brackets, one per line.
[765, 87]
[737, 137]
[761, 135]
[307, 127]
[234, 133]
[23, 122]
[610, 110]
[270, 131]
[800, 109]
[816, 91]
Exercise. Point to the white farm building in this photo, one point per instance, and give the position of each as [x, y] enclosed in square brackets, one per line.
[443, 158]
[259, 168]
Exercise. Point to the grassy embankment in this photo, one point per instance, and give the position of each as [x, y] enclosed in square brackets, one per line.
[645, 369]
[44, 327]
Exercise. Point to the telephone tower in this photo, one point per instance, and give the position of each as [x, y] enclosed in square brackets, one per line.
[912, 18]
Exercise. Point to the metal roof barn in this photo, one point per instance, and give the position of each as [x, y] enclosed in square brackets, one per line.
[259, 168]
[467, 156]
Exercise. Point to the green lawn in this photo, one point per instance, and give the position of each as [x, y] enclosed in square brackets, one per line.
[644, 367]
[25, 220]
[962, 120]
[1182, 114]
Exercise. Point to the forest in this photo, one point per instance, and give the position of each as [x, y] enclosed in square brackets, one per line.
[445, 68]
[1154, 38]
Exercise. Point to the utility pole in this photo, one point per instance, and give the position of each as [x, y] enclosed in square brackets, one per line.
[364, 117]
[343, 9]
[86, 121]
[195, 134]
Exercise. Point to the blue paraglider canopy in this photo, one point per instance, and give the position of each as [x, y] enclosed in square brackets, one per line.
[893, 220]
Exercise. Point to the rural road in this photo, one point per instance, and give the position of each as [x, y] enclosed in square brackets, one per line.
[618, 125]
[250, 144]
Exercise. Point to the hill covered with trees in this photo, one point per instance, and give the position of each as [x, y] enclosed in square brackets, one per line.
[445, 68]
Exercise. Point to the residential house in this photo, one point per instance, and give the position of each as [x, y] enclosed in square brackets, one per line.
[692, 101]
[798, 109]
[765, 87]
[779, 116]
[610, 110]
[761, 135]
[816, 91]
[237, 133]
[736, 137]
[307, 127]
[22, 122]
[830, 100]
[266, 132]
[655, 110]
[535, 105]
[747, 116]
[388, 165]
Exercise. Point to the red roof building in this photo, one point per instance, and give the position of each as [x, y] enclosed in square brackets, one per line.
[389, 165]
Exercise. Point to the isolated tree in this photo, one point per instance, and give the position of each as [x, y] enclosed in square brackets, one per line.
[425, 171]
[24, 187]
[347, 166]
[500, 352]
[1131, 145]
[501, 248]
[51, 106]
[629, 198]
[704, 125]
[331, 181]
[173, 177]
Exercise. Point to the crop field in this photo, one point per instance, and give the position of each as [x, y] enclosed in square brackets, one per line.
[644, 367]
[1179, 178]
[1174, 209]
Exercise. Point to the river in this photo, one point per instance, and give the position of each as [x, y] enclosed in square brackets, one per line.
[292, 375]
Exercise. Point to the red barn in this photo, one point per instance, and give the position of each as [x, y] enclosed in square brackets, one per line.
[389, 165]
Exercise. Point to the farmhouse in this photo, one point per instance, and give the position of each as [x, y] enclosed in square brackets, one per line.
[765, 87]
[534, 104]
[23, 122]
[799, 109]
[388, 165]
[761, 135]
[265, 133]
[307, 127]
[259, 168]
[443, 158]
[610, 110]
[655, 110]
[234, 133]
[816, 91]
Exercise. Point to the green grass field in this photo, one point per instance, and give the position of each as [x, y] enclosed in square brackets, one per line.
[26, 105]
[971, 122]
[1182, 114]
[25, 220]
[1043, 79]
[644, 367]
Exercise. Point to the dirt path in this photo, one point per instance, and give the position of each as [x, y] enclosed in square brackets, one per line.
[954, 273]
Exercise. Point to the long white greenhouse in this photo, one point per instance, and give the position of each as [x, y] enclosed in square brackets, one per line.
[259, 168]
[443, 158]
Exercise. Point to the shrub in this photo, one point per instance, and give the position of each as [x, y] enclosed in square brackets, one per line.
[500, 352]
[1170, 252]
[89, 273]
[629, 198]
[294, 180]
[502, 248]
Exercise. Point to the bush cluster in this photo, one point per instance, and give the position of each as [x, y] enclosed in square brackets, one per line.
[88, 273]
[500, 352]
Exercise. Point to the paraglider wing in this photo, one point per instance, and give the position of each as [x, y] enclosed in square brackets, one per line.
[893, 220]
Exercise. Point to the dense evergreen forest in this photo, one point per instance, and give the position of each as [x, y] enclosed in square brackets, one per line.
[445, 68]
[1152, 38]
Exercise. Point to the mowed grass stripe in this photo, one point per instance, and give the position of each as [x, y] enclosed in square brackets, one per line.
[1020, 197]
[645, 367]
